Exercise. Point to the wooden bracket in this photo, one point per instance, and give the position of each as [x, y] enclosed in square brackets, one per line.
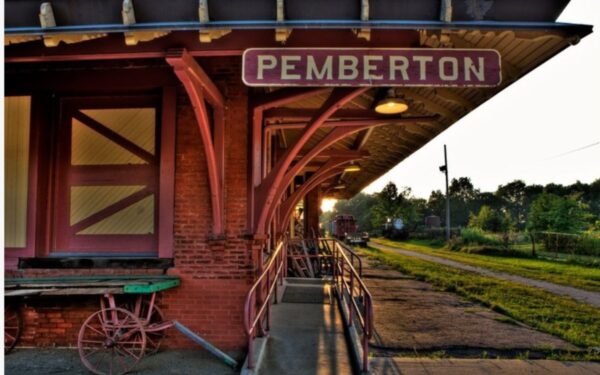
[198, 87]
[364, 33]
[47, 20]
[134, 37]
[281, 34]
[208, 35]
[446, 11]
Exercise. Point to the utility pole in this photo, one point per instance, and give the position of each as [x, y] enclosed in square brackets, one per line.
[444, 168]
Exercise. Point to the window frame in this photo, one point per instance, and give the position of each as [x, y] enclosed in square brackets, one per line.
[44, 120]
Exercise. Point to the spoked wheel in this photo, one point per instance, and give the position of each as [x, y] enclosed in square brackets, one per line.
[111, 341]
[153, 338]
[12, 327]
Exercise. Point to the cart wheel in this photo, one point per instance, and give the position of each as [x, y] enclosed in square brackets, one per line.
[153, 338]
[111, 341]
[12, 327]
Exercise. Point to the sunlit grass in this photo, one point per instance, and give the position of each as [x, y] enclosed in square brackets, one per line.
[542, 269]
[574, 322]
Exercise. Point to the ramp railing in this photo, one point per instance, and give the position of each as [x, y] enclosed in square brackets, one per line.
[353, 292]
[257, 309]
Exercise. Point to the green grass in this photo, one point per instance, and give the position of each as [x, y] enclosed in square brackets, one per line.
[574, 322]
[578, 276]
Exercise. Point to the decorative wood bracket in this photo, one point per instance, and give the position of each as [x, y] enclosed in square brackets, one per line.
[364, 33]
[199, 87]
[282, 34]
[208, 35]
[134, 37]
[47, 20]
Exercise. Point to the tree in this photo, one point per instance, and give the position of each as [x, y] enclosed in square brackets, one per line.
[385, 207]
[463, 200]
[487, 219]
[514, 198]
[550, 212]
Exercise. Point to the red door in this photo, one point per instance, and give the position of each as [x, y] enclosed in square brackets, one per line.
[106, 197]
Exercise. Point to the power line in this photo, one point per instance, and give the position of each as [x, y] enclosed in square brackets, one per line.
[575, 150]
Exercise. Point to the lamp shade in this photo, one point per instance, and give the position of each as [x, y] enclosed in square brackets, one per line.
[390, 104]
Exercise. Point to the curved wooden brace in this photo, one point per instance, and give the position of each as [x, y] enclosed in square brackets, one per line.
[267, 191]
[188, 73]
[327, 171]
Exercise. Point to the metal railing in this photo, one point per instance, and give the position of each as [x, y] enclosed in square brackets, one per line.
[352, 291]
[257, 308]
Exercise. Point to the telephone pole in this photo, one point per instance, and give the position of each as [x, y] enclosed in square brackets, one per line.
[444, 168]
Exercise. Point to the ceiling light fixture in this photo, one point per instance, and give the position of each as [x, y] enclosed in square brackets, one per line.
[391, 104]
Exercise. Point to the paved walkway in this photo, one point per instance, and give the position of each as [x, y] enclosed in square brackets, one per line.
[307, 335]
[426, 366]
[592, 298]
[67, 362]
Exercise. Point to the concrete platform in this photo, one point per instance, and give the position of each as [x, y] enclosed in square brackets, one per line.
[67, 362]
[425, 366]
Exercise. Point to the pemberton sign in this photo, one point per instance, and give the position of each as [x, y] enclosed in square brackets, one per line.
[371, 67]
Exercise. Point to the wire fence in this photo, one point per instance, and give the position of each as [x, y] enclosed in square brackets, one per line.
[567, 243]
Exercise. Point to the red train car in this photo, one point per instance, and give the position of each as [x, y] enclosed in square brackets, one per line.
[345, 228]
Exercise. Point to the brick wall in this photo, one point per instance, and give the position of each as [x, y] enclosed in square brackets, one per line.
[215, 274]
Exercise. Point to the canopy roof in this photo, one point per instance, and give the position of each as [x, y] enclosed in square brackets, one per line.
[525, 33]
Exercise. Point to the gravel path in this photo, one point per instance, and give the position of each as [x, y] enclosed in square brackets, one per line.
[592, 298]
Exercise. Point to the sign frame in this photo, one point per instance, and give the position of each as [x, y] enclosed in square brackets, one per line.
[453, 52]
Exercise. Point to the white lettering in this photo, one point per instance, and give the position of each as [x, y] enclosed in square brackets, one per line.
[471, 68]
[262, 64]
[311, 68]
[423, 60]
[453, 76]
[347, 63]
[369, 67]
[286, 66]
[398, 63]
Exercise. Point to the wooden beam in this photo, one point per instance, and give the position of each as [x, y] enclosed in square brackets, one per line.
[182, 59]
[281, 97]
[362, 138]
[341, 153]
[276, 115]
[196, 84]
[339, 123]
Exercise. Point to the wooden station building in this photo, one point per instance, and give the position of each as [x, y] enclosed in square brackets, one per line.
[187, 137]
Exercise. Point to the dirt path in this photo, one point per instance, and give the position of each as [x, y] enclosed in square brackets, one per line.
[592, 298]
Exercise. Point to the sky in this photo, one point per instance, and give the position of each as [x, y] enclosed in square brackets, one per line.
[529, 131]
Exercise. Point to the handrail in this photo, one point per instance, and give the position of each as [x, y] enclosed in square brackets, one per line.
[351, 288]
[257, 308]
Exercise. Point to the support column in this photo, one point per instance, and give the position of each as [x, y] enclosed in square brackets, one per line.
[311, 213]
